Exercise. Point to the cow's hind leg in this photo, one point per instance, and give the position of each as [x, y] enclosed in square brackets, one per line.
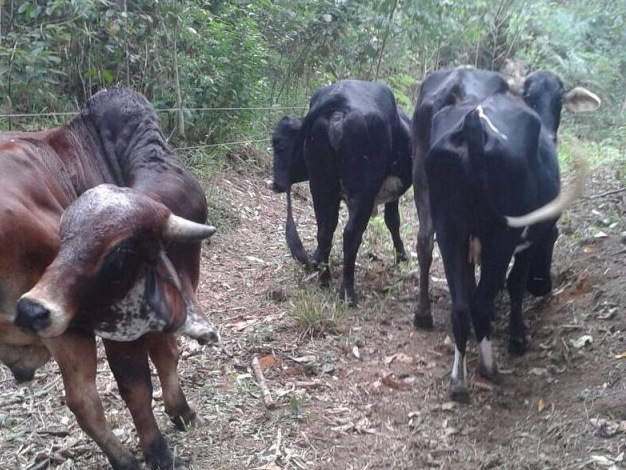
[392, 220]
[129, 364]
[358, 218]
[425, 243]
[539, 279]
[461, 282]
[75, 353]
[327, 216]
[495, 262]
[482, 315]
[325, 190]
[163, 350]
[518, 341]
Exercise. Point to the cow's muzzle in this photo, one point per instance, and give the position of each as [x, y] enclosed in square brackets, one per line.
[32, 316]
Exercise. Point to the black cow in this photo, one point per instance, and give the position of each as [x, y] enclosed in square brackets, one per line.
[486, 152]
[354, 144]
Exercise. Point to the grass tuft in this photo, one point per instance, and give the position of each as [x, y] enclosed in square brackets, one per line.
[317, 312]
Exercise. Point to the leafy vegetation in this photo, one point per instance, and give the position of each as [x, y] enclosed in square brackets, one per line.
[245, 57]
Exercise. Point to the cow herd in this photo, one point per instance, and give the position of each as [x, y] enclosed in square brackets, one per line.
[486, 180]
[101, 226]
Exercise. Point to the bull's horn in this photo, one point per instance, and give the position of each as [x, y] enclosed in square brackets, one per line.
[555, 208]
[178, 229]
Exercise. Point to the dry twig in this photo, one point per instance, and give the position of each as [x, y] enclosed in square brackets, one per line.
[260, 378]
[607, 193]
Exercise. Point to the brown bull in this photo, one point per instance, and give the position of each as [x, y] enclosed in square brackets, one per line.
[100, 229]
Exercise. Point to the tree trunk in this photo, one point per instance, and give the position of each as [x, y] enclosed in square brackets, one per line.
[382, 47]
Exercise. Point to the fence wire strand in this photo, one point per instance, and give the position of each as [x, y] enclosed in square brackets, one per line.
[224, 144]
[157, 110]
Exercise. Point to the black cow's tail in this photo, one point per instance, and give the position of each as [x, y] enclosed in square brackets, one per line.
[293, 239]
[564, 199]
[485, 212]
[474, 135]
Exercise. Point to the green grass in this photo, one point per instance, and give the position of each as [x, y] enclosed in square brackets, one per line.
[317, 311]
[608, 151]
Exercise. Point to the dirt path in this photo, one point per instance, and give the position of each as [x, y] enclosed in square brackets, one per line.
[360, 388]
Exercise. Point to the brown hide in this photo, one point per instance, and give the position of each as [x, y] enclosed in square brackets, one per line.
[74, 258]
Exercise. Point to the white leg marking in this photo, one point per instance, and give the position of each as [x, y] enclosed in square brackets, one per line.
[459, 369]
[486, 355]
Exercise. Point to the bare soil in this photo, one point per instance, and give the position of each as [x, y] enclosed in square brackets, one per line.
[361, 388]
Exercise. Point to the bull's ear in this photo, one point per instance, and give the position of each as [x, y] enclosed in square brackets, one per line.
[178, 229]
[579, 100]
[163, 292]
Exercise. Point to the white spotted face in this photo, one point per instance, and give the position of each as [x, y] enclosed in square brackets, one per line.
[131, 317]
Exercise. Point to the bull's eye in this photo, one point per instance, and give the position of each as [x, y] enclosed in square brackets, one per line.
[120, 268]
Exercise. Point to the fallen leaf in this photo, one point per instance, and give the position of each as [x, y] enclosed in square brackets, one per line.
[587, 249]
[378, 268]
[303, 359]
[541, 405]
[269, 466]
[582, 341]
[267, 362]
[449, 406]
[355, 352]
[600, 234]
[621, 356]
[404, 358]
[376, 385]
[607, 428]
[399, 357]
[602, 460]
[393, 383]
[343, 427]
[483, 384]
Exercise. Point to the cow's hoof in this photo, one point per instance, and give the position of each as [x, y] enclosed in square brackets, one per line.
[324, 278]
[423, 322]
[23, 375]
[348, 296]
[350, 300]
[539, 287]
[518, 346]
[165, 462]
[459, 392]
[490, 374]
[127, 462]
[401, 257]
[183, 423]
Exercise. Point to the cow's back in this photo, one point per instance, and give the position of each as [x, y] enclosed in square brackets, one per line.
[136, 153]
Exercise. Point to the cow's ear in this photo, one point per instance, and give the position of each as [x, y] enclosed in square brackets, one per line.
[163, 292]
[579, 100]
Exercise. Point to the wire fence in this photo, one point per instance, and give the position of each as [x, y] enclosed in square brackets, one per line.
[158, 110]
[186, 148]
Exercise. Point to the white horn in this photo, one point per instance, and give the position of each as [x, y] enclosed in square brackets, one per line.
[178, 229]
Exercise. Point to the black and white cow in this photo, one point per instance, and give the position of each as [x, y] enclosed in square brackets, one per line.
[354, 144]
[487, 181]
